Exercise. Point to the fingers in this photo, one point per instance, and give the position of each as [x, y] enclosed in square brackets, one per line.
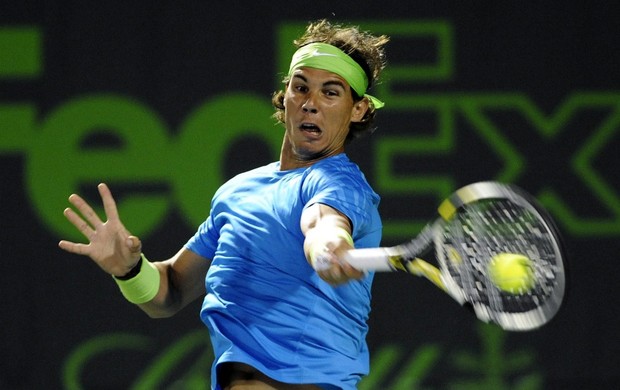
[334, 271]
[92, 220]
[337, 275]
[84, 208]
[350, 271]
[134, 244]
[344, 272]
[109, 205]
[324, 250]
[79, 249]
[79, 223]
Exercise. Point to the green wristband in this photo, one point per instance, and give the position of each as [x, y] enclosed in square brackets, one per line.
[144, 286]
[340, 232]
[318, 261]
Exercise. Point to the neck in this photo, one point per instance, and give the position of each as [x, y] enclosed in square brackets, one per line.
[291, 160]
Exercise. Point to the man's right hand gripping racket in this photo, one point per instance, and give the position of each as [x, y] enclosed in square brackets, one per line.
[486, 234]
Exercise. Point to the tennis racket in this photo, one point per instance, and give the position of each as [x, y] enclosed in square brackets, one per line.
[477, 225]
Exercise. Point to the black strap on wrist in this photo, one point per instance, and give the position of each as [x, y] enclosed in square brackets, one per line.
[132, 272]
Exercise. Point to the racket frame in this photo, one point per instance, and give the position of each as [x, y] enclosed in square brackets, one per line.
[407, 257]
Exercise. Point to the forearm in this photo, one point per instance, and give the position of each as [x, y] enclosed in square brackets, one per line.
[168, 285]
[327, 238]
[328, 231]
[167, 301]
[317, 221]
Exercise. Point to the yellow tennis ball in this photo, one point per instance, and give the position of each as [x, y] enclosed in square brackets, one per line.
[512, 273]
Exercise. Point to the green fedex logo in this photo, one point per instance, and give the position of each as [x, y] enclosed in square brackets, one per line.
[120, 140]
[133, 146]
[482, 114]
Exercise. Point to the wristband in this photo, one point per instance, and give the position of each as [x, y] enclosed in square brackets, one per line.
[318, 259]
[144, 286]
[340, 232]
[132, 272]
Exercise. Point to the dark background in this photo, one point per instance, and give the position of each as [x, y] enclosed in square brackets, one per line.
[172, 56]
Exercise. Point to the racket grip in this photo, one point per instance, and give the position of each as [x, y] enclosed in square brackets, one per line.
[369, 259]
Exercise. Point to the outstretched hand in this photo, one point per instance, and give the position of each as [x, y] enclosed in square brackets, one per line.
[110, 244]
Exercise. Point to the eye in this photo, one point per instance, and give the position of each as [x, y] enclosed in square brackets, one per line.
[300, 88]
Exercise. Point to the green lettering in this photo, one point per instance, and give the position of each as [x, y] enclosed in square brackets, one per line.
[17, 127]
[196, 375]
[167, 363]
[438, 145]
[63, 162]
[204, 145]
[75, 363]
[477, 109]
[20, 52]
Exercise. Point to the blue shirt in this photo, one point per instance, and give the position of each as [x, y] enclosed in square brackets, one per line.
[265, 305]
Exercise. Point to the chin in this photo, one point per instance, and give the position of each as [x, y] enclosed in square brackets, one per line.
[304, 154]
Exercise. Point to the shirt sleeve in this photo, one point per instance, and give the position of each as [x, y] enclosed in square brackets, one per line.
[204, 241]
[345, 192]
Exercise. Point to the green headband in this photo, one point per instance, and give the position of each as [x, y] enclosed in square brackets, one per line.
[330, 58]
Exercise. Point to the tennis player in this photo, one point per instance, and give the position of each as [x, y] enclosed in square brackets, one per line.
[282, 311]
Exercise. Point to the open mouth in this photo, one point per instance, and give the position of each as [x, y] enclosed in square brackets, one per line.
[310, 128]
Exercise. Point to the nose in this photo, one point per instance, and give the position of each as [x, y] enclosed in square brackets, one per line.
[310, 105]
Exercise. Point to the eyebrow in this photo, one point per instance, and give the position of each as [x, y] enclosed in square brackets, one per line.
[325, 84]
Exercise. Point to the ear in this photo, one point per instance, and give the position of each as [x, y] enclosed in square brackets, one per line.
[359, 110]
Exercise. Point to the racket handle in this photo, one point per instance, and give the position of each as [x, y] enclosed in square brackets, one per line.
[369, 259]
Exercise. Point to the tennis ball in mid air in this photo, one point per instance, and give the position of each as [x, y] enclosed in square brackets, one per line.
[512, 273]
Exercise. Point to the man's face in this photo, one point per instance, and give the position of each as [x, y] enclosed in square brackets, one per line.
[318, 110]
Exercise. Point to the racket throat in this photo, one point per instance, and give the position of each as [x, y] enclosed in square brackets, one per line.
[399, 263]
[420, 267]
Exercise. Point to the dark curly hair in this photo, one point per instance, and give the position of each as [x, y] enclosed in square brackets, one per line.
[363, 47]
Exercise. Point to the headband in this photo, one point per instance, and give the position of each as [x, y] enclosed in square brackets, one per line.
[330, 58]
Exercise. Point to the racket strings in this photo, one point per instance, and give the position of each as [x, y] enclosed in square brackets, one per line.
[483, 229]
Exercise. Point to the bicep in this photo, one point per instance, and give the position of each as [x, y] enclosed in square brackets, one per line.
[320, 213]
